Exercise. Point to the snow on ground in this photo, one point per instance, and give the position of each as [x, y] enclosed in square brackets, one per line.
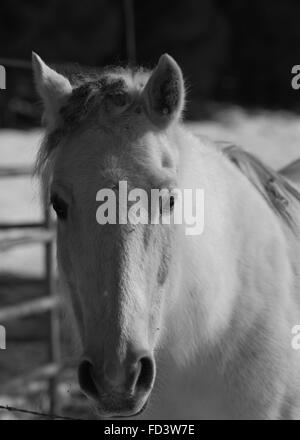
[272, 136]
[19, 197]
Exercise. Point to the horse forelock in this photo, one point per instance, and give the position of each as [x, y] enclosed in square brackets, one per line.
[115, 87]
[110, 91]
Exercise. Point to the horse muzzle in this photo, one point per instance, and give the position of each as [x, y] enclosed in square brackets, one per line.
[118, 390]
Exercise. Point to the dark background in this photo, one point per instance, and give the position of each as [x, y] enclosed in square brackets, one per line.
[234, 51]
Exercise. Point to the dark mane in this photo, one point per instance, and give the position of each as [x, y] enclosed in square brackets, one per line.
[78, 75]
[278, 192]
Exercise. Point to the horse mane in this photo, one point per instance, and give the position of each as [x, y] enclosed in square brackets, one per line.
[278, 192]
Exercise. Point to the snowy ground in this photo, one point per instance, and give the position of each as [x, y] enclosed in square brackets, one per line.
[275, 137]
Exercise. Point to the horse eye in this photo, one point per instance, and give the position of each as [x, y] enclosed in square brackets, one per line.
[59, 206]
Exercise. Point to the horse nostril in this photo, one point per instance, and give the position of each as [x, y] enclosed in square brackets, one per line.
[146, 373]
[137, 379]
[86, 380]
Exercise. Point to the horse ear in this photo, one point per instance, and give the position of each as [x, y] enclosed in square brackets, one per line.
[164, 92]
[53, 88]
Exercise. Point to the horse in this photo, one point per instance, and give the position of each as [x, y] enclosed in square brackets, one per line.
[170, 325]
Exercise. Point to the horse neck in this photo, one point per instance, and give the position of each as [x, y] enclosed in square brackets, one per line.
[222, 287]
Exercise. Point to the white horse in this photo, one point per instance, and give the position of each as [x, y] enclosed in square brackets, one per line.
[170, 325]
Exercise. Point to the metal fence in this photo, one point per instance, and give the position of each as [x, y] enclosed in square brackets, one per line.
[25, 234]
